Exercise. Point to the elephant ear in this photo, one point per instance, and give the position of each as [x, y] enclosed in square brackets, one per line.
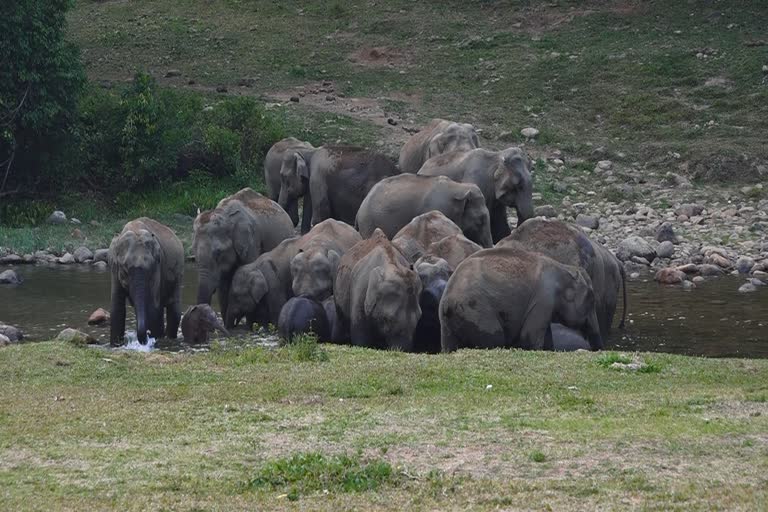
[436, 145]
[300, 165]
[371, 293]
[258, 286]
[333, 259]
[243, 236]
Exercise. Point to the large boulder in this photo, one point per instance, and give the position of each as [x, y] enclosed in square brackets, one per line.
[744, 264]
[10, 277]
[665, 249]
[100, 255]
[708, 270]
[635, 246]
[82, 254]
[12, 333]
[4, 341]
[75, 337]
[67, 259]
[57, 217]
[665, 233]
[587, 221]
[670, 276]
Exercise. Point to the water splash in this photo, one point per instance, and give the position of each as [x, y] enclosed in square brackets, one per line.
[132, 343]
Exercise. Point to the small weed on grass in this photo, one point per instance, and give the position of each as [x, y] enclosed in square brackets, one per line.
[537, 456]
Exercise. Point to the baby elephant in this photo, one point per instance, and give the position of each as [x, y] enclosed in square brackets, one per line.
[147, 264]
[301, 315]
[508, 297]
[198, 321]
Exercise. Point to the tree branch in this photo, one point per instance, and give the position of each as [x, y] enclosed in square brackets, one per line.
[12, 113]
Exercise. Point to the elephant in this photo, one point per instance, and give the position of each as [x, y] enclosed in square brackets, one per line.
[414, 238]
[434, 274]
[395, 201]
[236, 232]
[334, 181]
[508, 297]
[313, 268]
[377, 296]
[454, 249]
[282, 150]
[301, 315]
[504, 177]
[438, 137]
[198, 321]
[569, 245]
[565, 339]
[261, 288]
[147, 264]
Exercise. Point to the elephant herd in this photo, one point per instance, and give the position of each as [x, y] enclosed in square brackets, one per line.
[417, 256]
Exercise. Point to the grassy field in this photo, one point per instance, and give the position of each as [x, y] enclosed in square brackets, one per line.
[645, 79]
[337, 428]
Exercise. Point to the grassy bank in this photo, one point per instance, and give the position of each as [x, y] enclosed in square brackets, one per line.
[346, 428]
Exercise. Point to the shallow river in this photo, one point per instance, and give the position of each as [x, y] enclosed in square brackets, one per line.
[712, 320]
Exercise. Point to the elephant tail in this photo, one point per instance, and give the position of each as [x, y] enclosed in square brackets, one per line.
[624, 288]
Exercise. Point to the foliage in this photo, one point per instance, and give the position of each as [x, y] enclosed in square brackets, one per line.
[40, 83]
[305, 347]
[305, 473]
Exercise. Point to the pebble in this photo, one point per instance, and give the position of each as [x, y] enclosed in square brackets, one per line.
[529, 133]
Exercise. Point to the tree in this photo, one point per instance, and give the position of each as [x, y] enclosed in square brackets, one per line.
[41, 78]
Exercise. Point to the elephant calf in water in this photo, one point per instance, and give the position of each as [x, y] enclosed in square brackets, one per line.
[147, 264]
[377, 295]
[198, 321]
[509, 297]
[302, 315]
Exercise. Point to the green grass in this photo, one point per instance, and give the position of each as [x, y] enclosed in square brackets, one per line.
[243, 428]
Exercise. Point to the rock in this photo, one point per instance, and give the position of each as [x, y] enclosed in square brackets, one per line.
[678, 181]
[688, 285]
[665, 249]
[100, 255]
[747, 288]
[529, 133]
[77, 234]
[10, 277]
[330, 97]
[669, 276]
[4, 341]
[744, 264]
[100, 265]
[587, 221]
[634, 366]
[82, 254]
[172, 73]
[12, 333]
[560, 187]
[718, 259]
[99, 317]
[641, 261]
[698, 279]
[11, 259]
[246, 82]
[605, 165]
[709, 270]
[756, 282]
[221, 88]
[545, 210]
[665, 233]
[690, 210]
[295, 99]
[75, 337]
[75, 221]
[634, 275]
[66, 259]
[635, 246]
[391, 122]
[57, 217]
[689, 268]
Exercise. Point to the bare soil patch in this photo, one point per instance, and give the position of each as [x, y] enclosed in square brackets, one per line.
[379, 56]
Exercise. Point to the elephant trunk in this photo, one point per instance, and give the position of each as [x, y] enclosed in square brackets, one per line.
[139, 291]
[524, 207]
[290, 205]
[592, 332]
[206, 286]
[230, 320]
[624, 288]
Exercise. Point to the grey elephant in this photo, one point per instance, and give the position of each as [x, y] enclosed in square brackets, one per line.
[261, 288]
[438, 137]
[198, 321]
[565, 339]
[395, 201]
[236, 232]
[454, 249]
[509, 297]
[302, 315]
[334, 181]
[377, 296]
[569, 245]
[147, 264]
[434, 274]
[282, 150]
[416, 236]
[313, 268]
[504, 177]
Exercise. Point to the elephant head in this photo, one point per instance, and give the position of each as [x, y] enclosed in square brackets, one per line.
[576, 306]
[294, 179]
[138, 257]
[248, 295]
[455, 137]
[475, 219]
[313, 273]
[512, 183]
[431, 269]
[223, 239]
[392, 304]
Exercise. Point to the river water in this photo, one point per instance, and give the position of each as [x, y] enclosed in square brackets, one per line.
[712, 320]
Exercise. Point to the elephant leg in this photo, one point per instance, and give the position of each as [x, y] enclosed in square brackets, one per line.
[172, 319]
[449, 342]
[549, 343]
[499, 223]
[156, 324]
[306, 214]
[117, 314]
[321, 205]
[223, 292]
[533, 335]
